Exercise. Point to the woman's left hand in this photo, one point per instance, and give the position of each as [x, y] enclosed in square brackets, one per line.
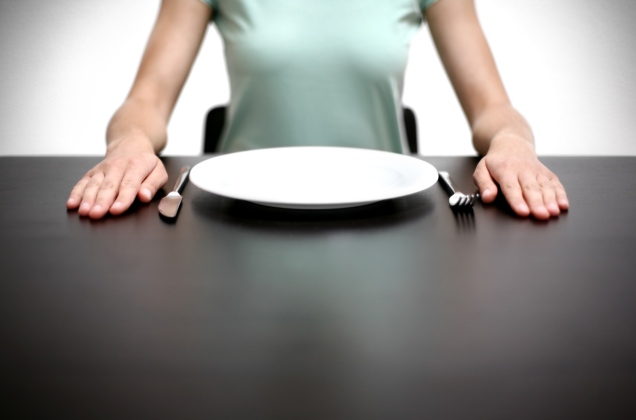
[529, 187]
[510, 163]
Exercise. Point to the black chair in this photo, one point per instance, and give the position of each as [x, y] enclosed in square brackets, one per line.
[215, 120]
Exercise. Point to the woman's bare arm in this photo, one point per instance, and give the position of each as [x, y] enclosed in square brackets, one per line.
[500, 133]
[138, 130]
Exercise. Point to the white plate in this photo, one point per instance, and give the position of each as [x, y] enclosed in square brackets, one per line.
[313, 177]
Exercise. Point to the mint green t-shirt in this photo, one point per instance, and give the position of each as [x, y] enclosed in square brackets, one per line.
[316, 72]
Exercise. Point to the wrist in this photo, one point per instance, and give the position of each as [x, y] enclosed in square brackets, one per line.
[511, 143]
[130, 143]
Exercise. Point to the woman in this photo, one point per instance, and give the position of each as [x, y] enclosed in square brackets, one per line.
[337, 67]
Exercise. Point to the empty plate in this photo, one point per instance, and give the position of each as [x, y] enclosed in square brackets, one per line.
[313, 177]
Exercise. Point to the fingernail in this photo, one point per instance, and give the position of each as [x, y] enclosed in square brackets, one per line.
[71, 202]
[97, 209]
[146, 193]
[85, 207]
[523, 208]
[553, 208]
[116, 205]
[486, 192]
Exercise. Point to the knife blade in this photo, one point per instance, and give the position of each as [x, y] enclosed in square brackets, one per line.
[169, 205]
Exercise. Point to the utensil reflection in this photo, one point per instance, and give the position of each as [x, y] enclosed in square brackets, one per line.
[464, 220]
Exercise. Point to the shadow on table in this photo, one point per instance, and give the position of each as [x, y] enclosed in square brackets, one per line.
[377, 215]
[465, 220]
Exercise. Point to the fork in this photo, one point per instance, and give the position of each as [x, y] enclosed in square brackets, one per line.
[457, 200]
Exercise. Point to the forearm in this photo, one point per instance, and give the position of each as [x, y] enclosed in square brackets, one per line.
[137, 124]
[173, 45]
[500, 126]
[471, 68]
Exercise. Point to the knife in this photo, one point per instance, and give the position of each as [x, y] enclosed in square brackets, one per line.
[169, 205]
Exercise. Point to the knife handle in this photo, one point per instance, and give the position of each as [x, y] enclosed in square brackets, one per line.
[181, 180]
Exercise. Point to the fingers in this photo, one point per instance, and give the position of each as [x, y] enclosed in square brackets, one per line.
[75, 197]
[528, 186]
[549, 195]
[136, 184]
[535, 194]
[157, 179]
[90, 193]
[512, 190]
[544, 193]
[561, 196]
[113, 185]
[485, 183]
[107, 192]
[127, 189]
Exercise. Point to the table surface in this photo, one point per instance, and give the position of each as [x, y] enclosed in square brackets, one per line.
[399, 309]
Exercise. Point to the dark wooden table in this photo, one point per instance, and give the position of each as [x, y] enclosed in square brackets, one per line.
[396, 310]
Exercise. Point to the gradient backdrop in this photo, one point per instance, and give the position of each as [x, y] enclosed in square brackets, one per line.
[66, 65]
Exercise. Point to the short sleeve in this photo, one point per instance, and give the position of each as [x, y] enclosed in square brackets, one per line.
[424, 4]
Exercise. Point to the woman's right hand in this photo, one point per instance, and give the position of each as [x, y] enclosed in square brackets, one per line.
[137, 131]
[130, 169]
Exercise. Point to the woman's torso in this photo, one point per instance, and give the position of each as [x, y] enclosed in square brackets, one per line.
[316, 72]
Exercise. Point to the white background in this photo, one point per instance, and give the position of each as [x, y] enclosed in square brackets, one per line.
[66, 65]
